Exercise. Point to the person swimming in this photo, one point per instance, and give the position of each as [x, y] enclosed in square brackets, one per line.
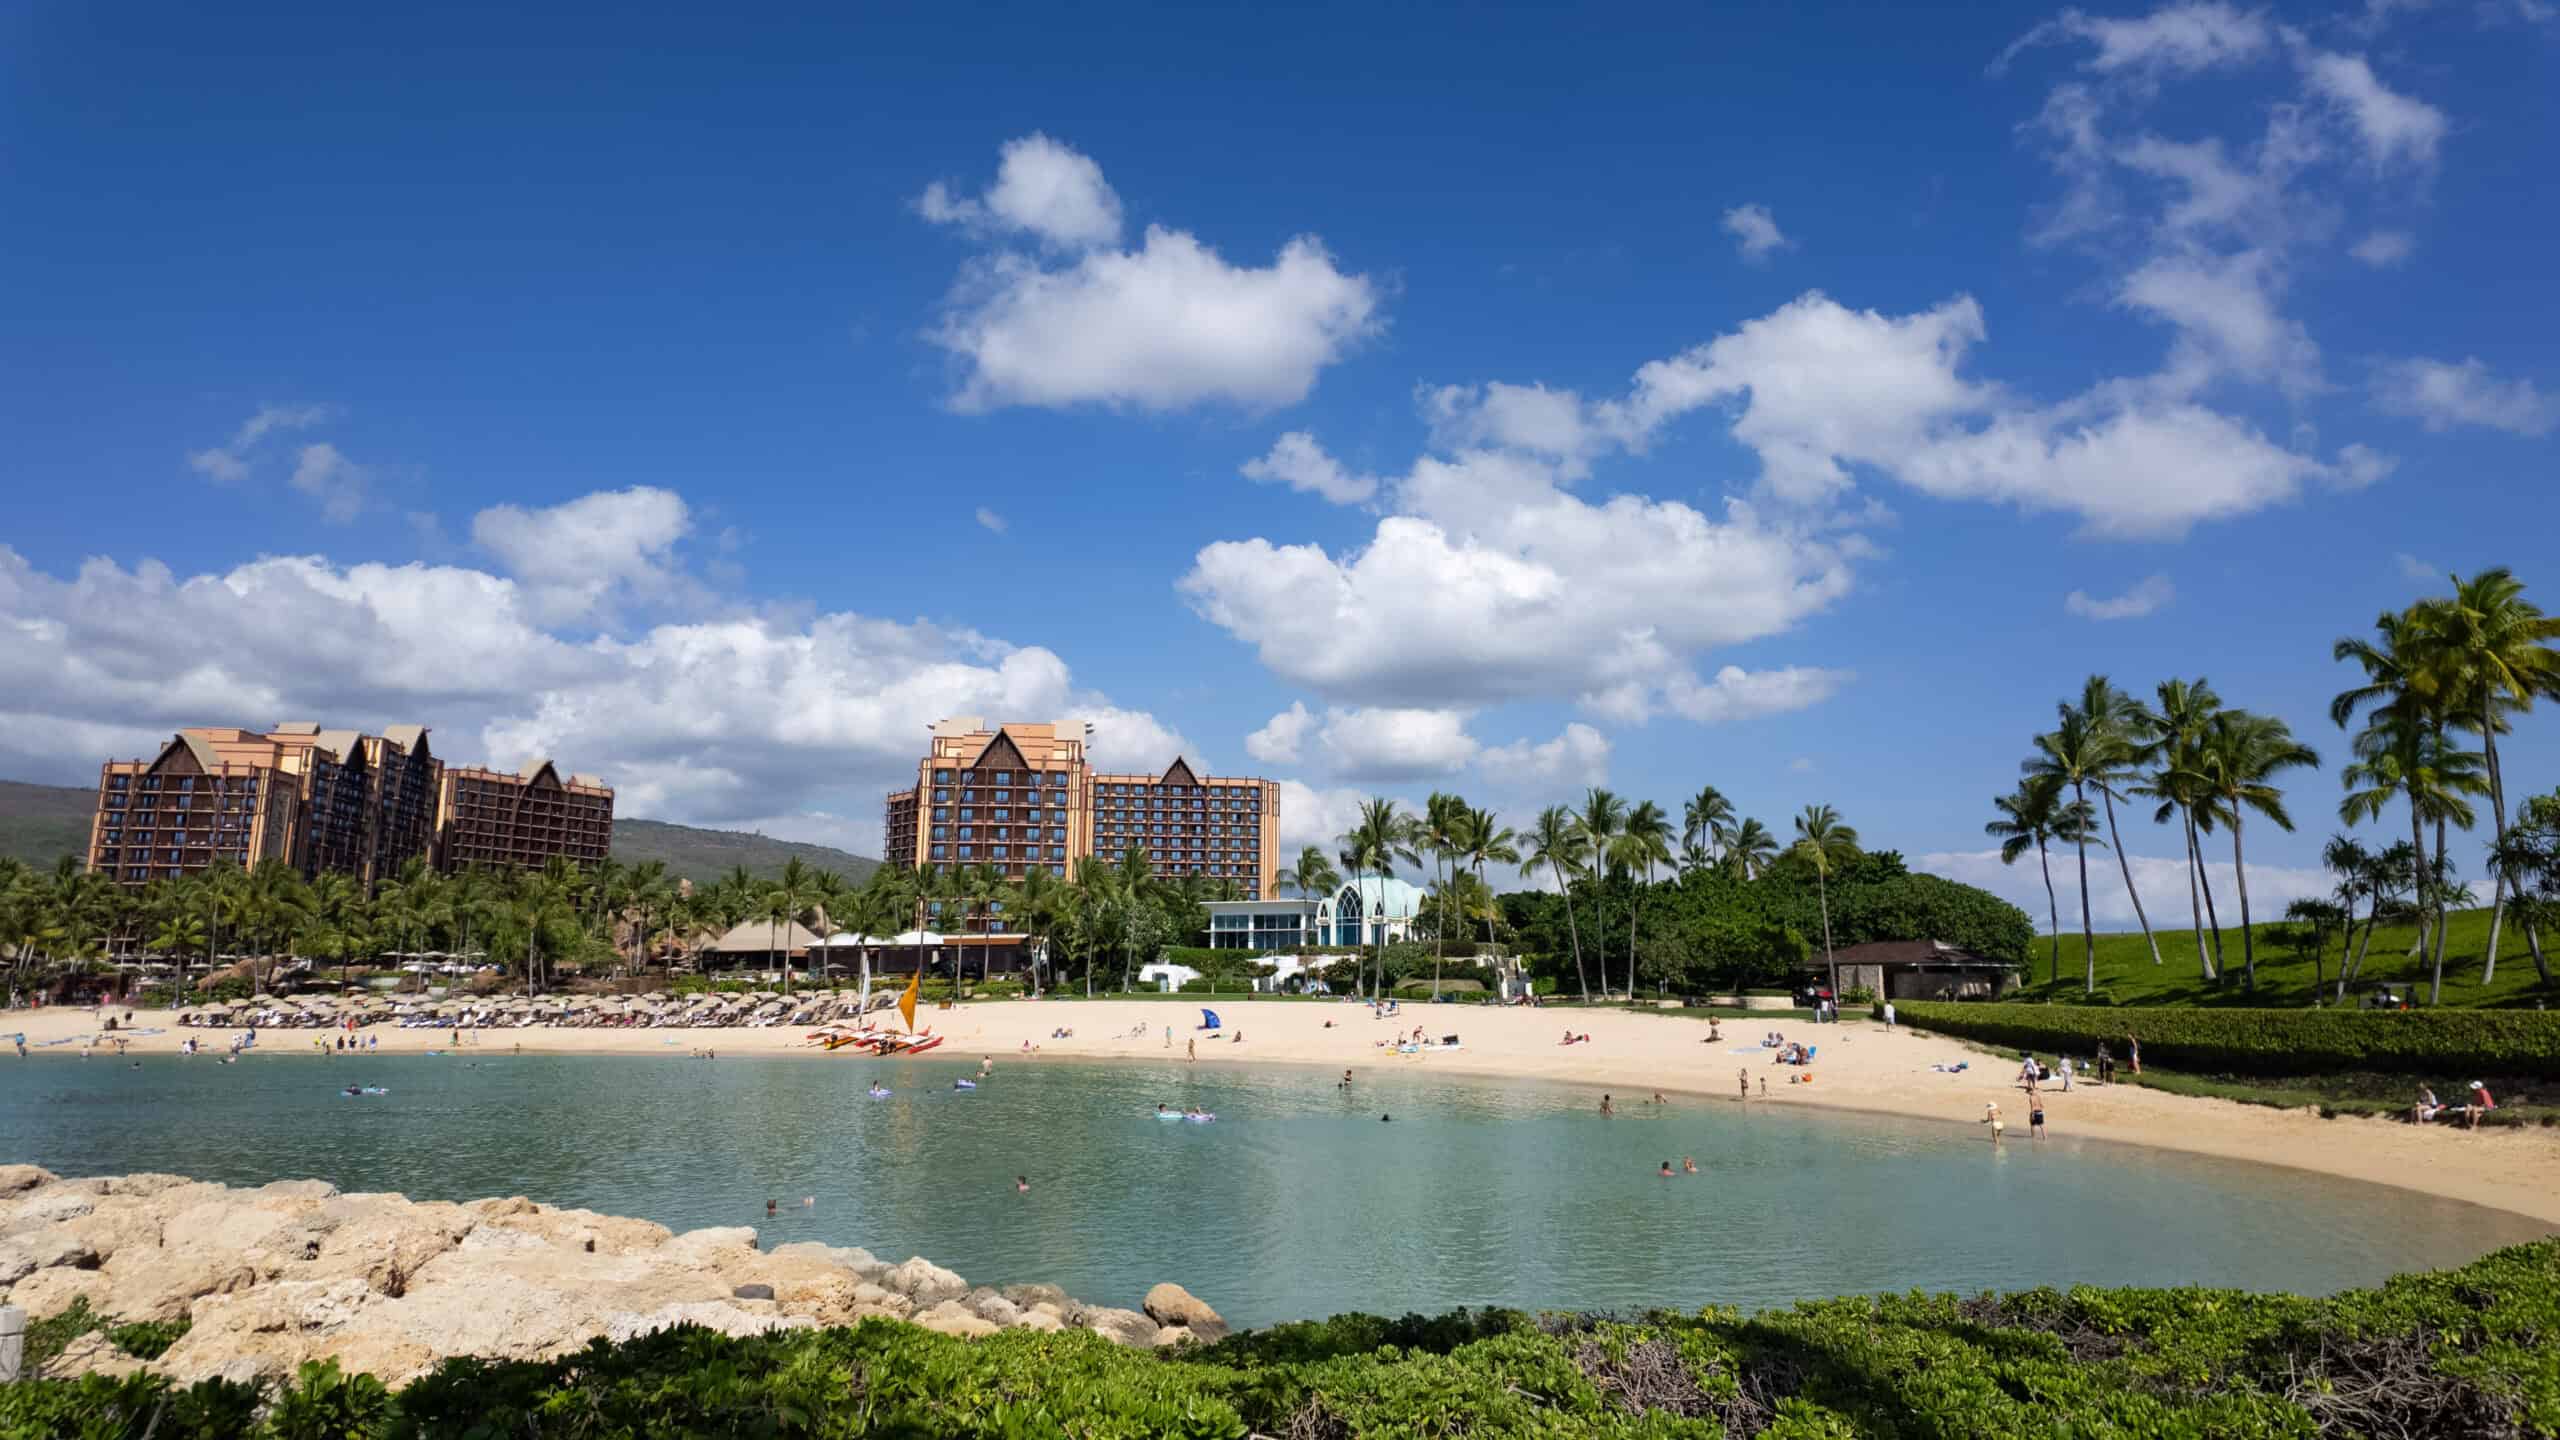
[1688, 1165]
[879, 1092]
[1666, 1170]
[773, 1207]
[1021, 1184]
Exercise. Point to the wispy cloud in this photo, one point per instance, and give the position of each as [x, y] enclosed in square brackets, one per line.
[1755, 231]
[2413, 568]
[2146, 596]
[990, 519]
[230, 462]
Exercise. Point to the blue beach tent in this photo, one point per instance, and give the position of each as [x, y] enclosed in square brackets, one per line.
[1208, 1019]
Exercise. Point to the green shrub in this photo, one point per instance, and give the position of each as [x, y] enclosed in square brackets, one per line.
[2459, 1353]
[147, 1339]
[2269, 1042]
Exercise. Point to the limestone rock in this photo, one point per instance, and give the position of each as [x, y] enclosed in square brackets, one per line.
[953, 1318]
[1172, 1305]
[1126, 1327]
[290, 1193]
[1042, 1320]
[994, 1308]
[16, 1263]
[52, 1205]
[1028, 1296]
[56, 1245]
[120, 1222]
[924, 1282]
[512, 1205]
[717, 1315]
[166, 1284]
[91, 1354]
[145, 1183]
[861, 1262]
[1173, 1335]
[15, 1178]
[880, 1300]
[827, 1296]
[752, 1292]
[50, 1292]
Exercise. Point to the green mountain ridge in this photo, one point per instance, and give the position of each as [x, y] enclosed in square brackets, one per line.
[39, 824]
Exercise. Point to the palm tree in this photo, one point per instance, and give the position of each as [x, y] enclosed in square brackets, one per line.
[1823, 842]
[2398, 753]
[1704, 820]
[1556, 842]
[789, 897]
[1376, 841]
[2242, 754]
[2073, 753]
[2117, 721]
[2354, 866]
[1484, 840]
[1312, 876]
[1436, 830]
[2030, 817]
[1750, 848]
[1603, 813]
[1644, 843]
[2169, 733]
[2490, 654]
[2395, 686]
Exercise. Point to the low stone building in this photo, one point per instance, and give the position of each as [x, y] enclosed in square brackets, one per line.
[1917, 970]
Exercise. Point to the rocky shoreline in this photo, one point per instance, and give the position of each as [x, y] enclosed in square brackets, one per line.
[272, 1276]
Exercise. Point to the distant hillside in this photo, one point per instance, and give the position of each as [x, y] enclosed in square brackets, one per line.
[39, 824]
[706, 855]
[42, 823]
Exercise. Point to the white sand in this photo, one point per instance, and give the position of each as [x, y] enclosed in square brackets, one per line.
[1860, 1067]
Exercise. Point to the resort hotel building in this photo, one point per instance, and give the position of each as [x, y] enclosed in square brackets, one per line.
[331, 802]
[1019, 797]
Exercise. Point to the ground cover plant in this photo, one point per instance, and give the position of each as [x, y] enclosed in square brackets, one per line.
[2459, 1353]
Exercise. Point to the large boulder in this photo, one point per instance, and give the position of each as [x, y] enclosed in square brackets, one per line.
[145, 1183]
[56, 1245]
[292, 1194]
[17, 1178]
[924, 1282]
[1124, 1327]
[91, 1354]
[953, 1318]
[1172, 1305]
[876, 1299]
[51, 1205]
[121, 1222]
[50, 1292]
[993, 1307]
[1030, 1295]
[17, 1262]
[861, 1262]
[165, 1284]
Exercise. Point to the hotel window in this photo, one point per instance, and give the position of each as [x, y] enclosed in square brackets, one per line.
[941, 777]
[941, 797]
[998, 852]
[1057, 852]
[968, 832]
[966, 813]
[1058, 870]
[1058, 816]
[969, 794]
[968, 852]
[1058, 835]
[1000, 814]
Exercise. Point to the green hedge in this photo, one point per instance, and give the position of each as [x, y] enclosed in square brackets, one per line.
[2462, 1353]
[2268, 1042]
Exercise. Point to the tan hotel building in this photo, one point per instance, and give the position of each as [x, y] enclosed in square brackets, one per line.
[1020, 796]
[332, 801]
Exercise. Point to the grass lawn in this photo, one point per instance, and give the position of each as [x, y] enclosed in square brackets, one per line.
[2126, 973]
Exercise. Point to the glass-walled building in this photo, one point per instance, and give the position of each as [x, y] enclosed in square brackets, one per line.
[1361, 912]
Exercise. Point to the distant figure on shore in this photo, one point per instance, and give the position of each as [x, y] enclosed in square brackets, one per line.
[1764, 1087]
[2427, 1107]
[1888, 1017]
[2133, 1052]
[1191, 1050]
[1746, 1082]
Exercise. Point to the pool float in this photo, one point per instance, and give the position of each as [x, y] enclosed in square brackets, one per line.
[964, 1084]
[879, 1092]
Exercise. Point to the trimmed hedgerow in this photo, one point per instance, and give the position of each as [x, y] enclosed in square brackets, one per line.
[2461, 1353]
[2269, 1042]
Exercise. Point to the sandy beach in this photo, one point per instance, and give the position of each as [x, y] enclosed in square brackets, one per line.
[1860, 1067]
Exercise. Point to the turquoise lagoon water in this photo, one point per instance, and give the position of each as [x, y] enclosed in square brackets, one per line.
[1297, 1202]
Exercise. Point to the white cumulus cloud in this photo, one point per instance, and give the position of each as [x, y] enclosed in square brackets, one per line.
[1163, 326]
[575, 558]
[2440, 395]
[1755, 231]
[2384, 248]
[1297, 461]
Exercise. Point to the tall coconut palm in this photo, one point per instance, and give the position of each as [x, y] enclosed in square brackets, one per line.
[2402, 752]
[2490, 654]
[2242, 755]
[2116, 721]
[2168, 734]
[1826, 844]
[1436, 830]
[789, 897]
[1313, 876]
[1484, 840]
[1704, 821]
[2075, 752]
[1556, 842]
[1602, 815]
[1644, 842]
[1379, 838]
[2395, 685]
[2029, 817]
[1749, 849]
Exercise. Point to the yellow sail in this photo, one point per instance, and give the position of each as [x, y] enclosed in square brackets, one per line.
[907, 1001]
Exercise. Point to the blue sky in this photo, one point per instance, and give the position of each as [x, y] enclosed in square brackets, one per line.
[1375, 398]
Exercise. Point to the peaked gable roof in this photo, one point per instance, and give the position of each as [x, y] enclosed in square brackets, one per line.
[185, 754]
[543, 776]
[1001, 754]
[1179, 773]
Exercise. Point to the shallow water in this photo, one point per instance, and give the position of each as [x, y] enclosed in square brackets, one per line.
[1297, 1202]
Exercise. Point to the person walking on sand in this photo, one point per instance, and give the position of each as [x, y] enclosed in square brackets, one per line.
[1191, 1048]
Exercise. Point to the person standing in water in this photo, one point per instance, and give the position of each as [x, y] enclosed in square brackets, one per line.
[1607, 1107]
[1745, 1072]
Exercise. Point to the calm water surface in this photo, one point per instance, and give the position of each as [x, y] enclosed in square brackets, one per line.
[1297, 1202]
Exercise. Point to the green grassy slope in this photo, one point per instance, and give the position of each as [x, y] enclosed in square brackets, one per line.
[40, 824]
[703, 856]
[2125, 970]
